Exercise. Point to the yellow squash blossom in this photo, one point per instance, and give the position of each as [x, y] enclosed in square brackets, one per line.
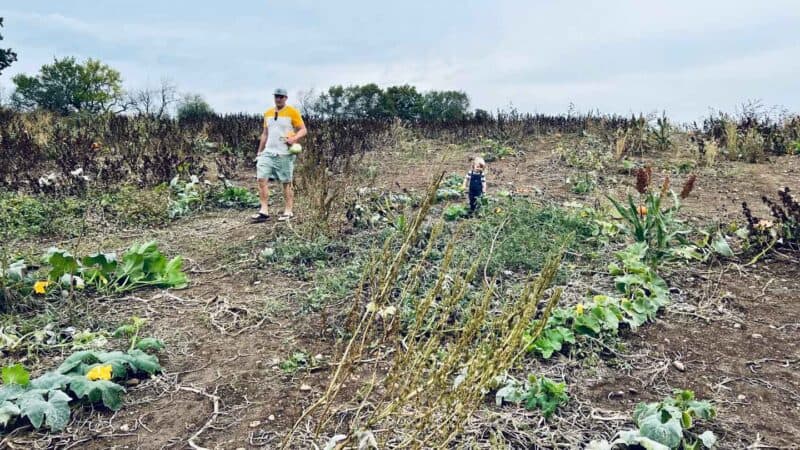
[40, 287]
[579, 309]
[99, 373]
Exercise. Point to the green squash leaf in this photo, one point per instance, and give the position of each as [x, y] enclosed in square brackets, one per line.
[78, 362]
[708, 438]
[143, 362]
[669, 432]
[61, 262]
[108, 392]
[53, 412]
[510, 393]
[720, 245]
[701, 409]
[8, 411]
[16, 270]
[11, 392]
[50, 381]
[124, 331]
[150, 344]
[634, 437]
[16, 374]
[107, 262]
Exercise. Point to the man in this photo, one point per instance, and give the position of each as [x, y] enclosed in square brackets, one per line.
[283, 127]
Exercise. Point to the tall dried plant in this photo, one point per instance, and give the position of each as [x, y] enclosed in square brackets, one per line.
[711, 152]
[643, 179]
[731, 133]
[439, 371]
[620, 142]
[688, 186]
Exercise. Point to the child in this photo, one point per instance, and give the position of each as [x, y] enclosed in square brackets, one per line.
[475, 181]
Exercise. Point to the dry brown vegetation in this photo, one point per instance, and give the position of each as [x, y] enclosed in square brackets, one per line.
[293, 334]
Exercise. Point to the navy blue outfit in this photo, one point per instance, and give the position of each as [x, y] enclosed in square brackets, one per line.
[475, 181]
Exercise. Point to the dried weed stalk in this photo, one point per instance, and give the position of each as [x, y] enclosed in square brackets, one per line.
[441, 370]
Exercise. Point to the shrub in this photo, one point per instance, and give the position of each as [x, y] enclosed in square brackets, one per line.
[23, 215]
[236, 197]
[783, 231]
[137, 207]
[751, 147]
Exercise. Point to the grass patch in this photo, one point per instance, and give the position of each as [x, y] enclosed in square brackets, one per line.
[133, 206]
[528, 234]
[23, 215]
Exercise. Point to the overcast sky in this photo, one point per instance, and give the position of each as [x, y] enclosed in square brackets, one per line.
[613, 56]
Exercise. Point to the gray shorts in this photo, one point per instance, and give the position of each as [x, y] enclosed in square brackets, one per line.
[275, 167]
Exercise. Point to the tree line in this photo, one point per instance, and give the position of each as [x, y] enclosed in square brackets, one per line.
[68, 86]
[371, 102]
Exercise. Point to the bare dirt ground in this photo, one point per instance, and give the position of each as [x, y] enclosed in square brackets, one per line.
[734, 329]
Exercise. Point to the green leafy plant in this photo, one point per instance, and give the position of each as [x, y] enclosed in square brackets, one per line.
[643, 294]
[494, 150]
[537, 393]
[296, 254]
[86, 375]
[527, 234]
[588, 154]
[455, 212]
[373, 208]
[667, 424]
[296, 361]
[236, 197]
[131, 331]
[552, 340]
[794, 148]
[584, 183]
[15, 374]
[188, 196]
[661, 134]
[451, 188]
[400, 224]
[651, 222]
[141, 266]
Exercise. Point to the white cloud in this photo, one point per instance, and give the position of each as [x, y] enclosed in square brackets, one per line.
[617, 55]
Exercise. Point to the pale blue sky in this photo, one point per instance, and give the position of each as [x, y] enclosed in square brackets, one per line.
[612, 55]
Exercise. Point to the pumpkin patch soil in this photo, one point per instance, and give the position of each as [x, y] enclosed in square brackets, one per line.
[733, 329]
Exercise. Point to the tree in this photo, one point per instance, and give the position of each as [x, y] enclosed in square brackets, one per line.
[331, 103]
[307, 102]
[154, 102]
[6, 55]
[482, 115]
[67, 86]
[193, 107]
[367, 102]
[445, 105]
[353, 102]
[406, 102]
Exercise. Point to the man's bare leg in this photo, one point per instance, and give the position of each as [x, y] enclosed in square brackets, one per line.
[288, 194]
[263, 195]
